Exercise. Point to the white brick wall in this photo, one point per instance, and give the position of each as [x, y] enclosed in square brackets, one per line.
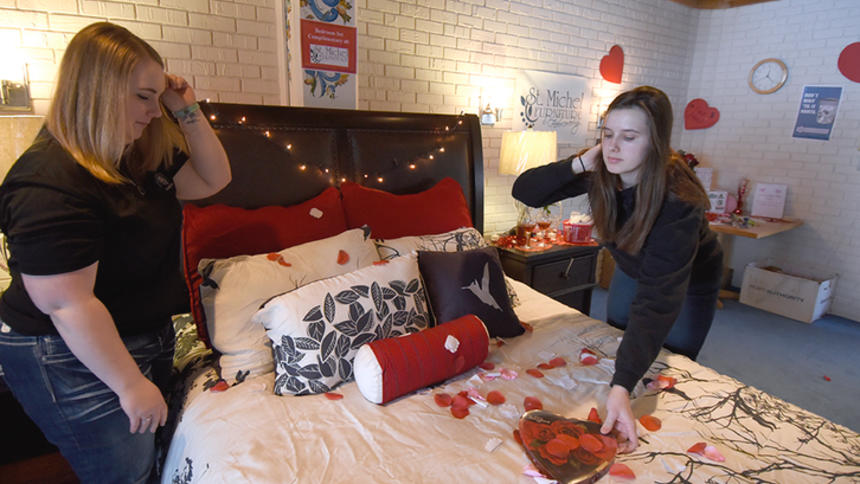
[753, 137]
[221, 47]
[431, 55]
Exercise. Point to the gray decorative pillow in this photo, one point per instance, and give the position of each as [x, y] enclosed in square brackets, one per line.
[317, 329]
[458, 240]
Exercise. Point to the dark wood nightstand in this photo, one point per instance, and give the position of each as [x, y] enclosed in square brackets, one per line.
[563, 272]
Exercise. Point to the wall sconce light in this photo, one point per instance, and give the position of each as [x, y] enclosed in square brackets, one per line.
[522, 150]
[14, 88]
[489, 116]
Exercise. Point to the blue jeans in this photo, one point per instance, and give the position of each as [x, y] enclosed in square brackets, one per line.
[691, 327]
[76, 411]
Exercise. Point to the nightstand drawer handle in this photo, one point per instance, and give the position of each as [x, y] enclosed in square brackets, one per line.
[566, 273]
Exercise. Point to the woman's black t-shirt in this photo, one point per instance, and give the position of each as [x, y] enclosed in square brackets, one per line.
[59, 218]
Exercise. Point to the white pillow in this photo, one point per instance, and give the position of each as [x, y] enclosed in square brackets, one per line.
[466, 238]
[317, 329]
[234, 289]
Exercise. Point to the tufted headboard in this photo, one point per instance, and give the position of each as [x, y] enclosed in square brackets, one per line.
[285, 155]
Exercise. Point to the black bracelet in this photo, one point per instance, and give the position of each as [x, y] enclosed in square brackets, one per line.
[581, 163]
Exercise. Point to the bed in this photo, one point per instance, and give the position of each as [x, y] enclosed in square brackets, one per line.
[236, 415]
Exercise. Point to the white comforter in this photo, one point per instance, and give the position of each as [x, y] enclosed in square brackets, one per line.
[248, 434]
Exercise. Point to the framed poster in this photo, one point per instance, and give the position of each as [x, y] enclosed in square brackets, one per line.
[817, 112]
[327, 42]
[546, 101]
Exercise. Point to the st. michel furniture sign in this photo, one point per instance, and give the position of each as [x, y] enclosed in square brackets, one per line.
[547, 101]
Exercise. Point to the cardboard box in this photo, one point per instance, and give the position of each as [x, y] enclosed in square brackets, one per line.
[791, 295]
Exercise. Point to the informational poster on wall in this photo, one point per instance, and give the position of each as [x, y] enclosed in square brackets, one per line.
[328, 54]
[817, 112]
[546, 101]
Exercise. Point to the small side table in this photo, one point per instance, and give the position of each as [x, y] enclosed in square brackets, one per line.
[565, 273]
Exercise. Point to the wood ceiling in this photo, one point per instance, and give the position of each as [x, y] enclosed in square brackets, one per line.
[714, 4]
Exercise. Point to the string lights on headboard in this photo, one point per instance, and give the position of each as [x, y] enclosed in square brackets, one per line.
[280, 136]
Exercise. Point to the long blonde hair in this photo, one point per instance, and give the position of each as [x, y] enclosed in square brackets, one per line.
[93, 80]
[663, 174]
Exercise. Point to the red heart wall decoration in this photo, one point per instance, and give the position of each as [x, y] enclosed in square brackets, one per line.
[612, 65]
[698, 115]
[849, 62]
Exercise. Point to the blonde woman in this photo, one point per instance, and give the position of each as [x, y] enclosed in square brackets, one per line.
[92, 217]
[649, 211]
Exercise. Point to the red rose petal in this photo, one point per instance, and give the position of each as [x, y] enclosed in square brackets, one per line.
[461, 401]
[380, 262]
[697, 448]
[273, 256]
[532, 403]
[220, 386]
[535, 372]
[594, 416]
[591, 443]
[342, 257]
[527, 326]
[712, 453]
[587, 357]
[442, 399]
[622, 471]
[500, 343]
[495, 397]
[650, 422]
[557, 362]
[545, 366]
[333, 396]
[284, 263]
[668, 381]
[487, 366]
[558, 448]
[459, 412]
[569, 440]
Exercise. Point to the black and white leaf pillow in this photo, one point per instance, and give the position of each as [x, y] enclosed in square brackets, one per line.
[317, 329]
[459, 240]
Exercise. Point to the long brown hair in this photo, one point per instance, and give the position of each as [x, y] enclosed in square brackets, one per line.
[88, 107]
[663, 174]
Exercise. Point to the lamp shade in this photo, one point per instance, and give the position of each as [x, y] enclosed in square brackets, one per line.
[522, 150]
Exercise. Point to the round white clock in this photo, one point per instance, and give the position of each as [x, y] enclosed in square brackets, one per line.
[768, 75]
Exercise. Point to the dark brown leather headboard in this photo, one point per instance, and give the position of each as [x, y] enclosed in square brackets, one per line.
[285, 155]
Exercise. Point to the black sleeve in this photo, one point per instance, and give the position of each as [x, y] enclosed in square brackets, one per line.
[550, 183]
[50, 231]
[667, 262]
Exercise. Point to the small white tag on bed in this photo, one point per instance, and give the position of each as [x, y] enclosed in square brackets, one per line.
[316, 213]
[492, 444]
[546, 355]
[451, 344]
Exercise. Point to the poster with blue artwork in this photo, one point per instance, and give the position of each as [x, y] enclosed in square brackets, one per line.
[328, 39]
[817, 112]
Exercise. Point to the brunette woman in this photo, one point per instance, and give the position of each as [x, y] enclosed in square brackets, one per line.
[649, 211]
[92, 218]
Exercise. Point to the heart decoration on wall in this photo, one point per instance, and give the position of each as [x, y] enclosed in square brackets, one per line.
[612, 65]
[699, 115]
[849, 62]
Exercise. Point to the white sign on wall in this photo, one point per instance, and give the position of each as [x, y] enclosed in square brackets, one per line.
[547, 101]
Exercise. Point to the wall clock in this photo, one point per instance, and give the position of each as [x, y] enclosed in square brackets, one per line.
[768, 75]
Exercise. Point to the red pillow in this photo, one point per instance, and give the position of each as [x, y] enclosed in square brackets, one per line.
[221, 231]
[439, 209]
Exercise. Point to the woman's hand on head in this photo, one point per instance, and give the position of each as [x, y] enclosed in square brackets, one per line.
[592, 157]
[619, 416]
[178, 93]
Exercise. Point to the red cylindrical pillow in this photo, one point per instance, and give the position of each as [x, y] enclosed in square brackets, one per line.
[388, 368]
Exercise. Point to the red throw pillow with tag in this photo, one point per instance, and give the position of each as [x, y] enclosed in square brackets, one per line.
[388, 368]
[221, 231]
[438, 209]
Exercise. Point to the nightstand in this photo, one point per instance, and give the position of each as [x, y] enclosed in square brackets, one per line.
[563, 272]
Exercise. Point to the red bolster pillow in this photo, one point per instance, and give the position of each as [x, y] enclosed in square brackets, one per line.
[388, 368]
